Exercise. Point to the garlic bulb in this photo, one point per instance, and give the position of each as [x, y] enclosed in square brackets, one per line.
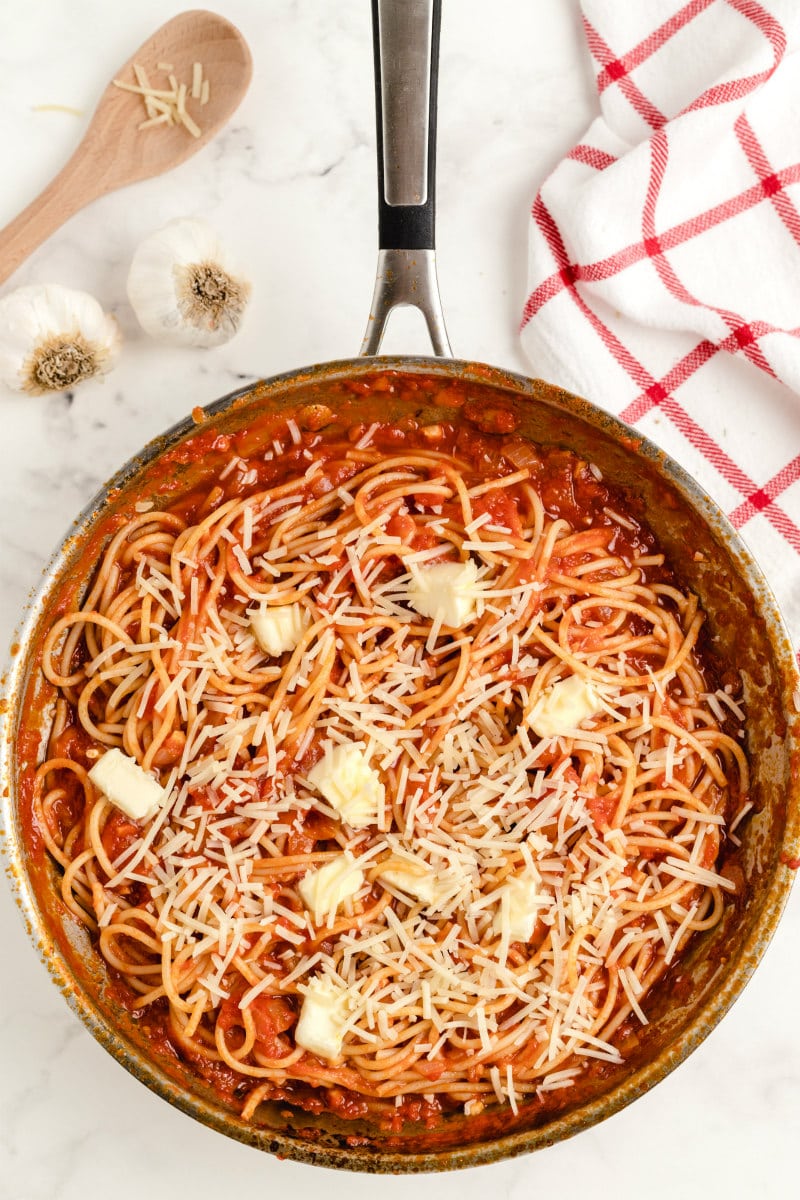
[184, 288]
[52, 337]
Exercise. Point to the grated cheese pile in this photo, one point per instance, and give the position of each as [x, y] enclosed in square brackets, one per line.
[166, 104]
[372, 816]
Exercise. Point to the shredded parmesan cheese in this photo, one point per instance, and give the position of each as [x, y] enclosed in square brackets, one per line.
[427, 809]
[167, 105]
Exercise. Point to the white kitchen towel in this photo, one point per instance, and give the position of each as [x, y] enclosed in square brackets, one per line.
[664, 275]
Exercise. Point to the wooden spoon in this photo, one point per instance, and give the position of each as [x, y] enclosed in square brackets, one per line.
[114, 151]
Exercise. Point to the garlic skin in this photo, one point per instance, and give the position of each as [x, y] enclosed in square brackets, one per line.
[185, 288]
[52, 338]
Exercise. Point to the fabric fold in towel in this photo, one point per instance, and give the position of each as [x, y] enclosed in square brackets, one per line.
[664, 268]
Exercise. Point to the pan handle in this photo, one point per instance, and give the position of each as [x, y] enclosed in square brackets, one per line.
[406, 42]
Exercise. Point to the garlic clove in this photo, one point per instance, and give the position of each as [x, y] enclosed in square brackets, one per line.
[185, 288]
[52, 338]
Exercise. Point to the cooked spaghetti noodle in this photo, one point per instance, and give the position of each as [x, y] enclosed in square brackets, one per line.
[515, 895]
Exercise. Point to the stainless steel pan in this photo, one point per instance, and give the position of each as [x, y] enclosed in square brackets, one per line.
[706, 553]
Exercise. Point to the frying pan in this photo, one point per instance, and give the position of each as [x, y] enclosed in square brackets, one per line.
[709, 558]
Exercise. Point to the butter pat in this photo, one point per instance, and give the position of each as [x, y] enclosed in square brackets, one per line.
[349, 784]
[122, 781]
[446, 592]
[420, 883]
[324, 890]
[519, 904]
[563, 706]
[278, 629]
[320, 1028]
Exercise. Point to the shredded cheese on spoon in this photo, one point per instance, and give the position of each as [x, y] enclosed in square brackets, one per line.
[167, 105]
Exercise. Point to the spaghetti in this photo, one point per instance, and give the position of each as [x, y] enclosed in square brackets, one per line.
[513, 874]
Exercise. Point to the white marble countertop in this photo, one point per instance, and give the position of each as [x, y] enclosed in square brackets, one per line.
[291, 184]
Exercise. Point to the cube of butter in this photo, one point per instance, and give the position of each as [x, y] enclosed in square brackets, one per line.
[323, 1014]
[563, 706]
[349, 784]
[278, 628]
[324, 890]
[122, 781]
[446, 592]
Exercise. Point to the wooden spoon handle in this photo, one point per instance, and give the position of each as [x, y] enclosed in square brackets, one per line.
[72, 188]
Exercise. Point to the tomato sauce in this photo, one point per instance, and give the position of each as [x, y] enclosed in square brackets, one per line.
[211, 468]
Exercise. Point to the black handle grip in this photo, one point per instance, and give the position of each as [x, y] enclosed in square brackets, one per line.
[405, 226]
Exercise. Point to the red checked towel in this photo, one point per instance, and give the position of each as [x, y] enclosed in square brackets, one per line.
[665, 254]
